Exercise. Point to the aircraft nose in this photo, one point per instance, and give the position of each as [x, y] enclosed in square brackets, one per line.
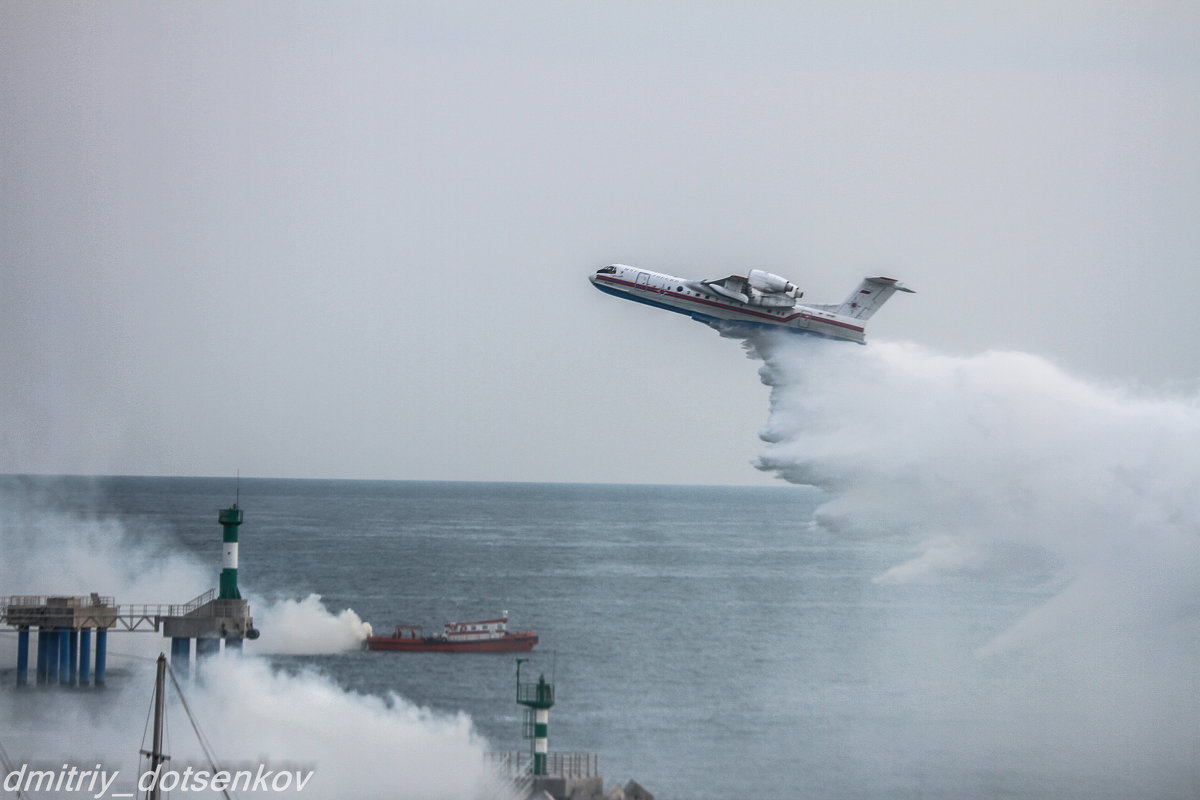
[611, 269]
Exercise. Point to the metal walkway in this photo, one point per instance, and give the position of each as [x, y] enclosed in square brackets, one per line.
[95, 611]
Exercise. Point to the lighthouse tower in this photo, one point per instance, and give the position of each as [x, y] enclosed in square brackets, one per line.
[537, 698]
[207, 619]
[230, 519]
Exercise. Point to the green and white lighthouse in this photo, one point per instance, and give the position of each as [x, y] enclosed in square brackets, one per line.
[230, 519]
[537, 698]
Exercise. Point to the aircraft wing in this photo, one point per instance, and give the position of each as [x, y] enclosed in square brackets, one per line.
[733, 287]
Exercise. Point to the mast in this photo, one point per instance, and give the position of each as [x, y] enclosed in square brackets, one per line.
[156, 755]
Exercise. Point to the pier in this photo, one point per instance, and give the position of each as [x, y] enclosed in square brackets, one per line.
[66, 624]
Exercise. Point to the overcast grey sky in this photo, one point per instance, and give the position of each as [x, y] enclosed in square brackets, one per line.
[352, 240]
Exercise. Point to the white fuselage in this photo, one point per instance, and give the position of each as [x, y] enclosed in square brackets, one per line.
[701, 301]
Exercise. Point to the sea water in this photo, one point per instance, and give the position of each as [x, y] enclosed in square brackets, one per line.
[708, 642]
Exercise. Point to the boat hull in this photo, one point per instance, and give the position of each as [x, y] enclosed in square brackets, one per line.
[509, 643]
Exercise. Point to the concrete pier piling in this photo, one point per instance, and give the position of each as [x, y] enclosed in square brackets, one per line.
[51, 657]
[181, 653]
[101, 656]
[85, 656]
[42, 656]
[73, 657]
[206, 647]
[23, 655]
[64, 657]
[64, 636]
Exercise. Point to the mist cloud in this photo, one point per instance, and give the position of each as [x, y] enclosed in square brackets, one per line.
[980, 457]
[1003, 467]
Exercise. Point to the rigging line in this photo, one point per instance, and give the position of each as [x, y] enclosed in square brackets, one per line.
[166, 732]
[6, 762]
[131, 656]
[205, 745]
[146, 726]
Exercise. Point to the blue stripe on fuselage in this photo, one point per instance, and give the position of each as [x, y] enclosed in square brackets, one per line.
[646, 300]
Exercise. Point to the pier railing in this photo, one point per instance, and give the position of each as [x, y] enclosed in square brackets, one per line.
[57, 610]
[536, 695]
[517, 763]
[151, 610]
[98, 611]
[193, 604]
[53, 600]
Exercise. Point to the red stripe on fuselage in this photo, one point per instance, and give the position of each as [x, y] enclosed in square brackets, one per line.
[725, 306]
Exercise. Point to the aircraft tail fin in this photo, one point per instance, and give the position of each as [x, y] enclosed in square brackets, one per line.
[870, 295]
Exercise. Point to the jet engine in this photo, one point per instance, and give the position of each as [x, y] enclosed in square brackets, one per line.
[770, 282]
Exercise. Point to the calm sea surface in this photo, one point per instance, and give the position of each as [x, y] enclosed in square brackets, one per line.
[707, 642]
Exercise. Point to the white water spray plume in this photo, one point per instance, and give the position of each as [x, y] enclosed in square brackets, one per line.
[1001, 465]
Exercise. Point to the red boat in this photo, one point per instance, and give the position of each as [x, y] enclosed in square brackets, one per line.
[484, 636]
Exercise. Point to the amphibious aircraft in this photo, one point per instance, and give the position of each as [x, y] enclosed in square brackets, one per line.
[757, 298]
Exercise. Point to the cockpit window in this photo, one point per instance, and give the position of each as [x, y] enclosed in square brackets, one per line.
[607, 271]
